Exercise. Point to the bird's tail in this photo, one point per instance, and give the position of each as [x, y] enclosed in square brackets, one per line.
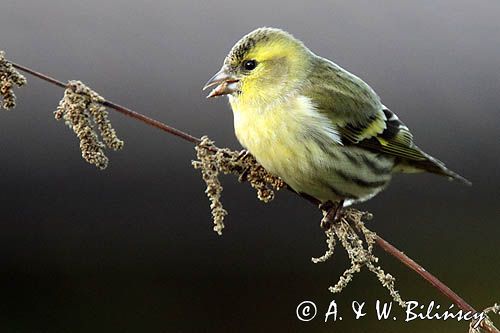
[432, 165]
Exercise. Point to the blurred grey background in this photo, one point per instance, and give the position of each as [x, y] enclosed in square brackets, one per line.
[131, 249]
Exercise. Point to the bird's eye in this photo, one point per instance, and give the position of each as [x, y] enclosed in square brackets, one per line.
[249, 65]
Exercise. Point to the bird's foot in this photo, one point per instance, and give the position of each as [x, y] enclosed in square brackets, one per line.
[241, 157]
[326, 206]
[332, 213]
[243, 154]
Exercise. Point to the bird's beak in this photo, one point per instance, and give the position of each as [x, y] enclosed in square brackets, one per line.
[226, 83]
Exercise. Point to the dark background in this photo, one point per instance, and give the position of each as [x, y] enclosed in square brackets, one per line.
[131, 249]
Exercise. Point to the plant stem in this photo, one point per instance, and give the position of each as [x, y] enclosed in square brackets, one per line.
[126, 111]
[386, 246]
[434, 281]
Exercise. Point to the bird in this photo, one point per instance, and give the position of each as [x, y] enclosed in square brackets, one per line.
[323, 130]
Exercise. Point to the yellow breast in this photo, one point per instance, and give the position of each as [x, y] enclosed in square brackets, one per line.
[286, 138]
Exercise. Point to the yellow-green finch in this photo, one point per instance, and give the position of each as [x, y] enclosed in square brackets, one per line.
[323, 130]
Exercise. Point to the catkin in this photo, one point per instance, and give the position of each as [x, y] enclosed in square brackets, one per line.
[82, 110]
[359, 251]
[213, 161]
[9, 77]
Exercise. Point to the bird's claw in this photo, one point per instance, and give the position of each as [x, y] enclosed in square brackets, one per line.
[332, 213]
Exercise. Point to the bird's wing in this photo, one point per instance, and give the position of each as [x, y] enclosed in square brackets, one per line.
[385, 133]
[357, 113]
[394, 138]
[361, 120]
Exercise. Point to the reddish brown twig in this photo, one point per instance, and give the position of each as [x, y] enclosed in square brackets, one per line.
[410, 263]
[434, 281]
[126, 111]
[386, 246]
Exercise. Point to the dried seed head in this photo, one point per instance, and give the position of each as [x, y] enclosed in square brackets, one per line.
[82, 109]
[330, 242]
[9, 77]
[207, 163]
[359, 250]
[213, 160]
[476, 327]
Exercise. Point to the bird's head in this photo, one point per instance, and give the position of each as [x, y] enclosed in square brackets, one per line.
[265, 65]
